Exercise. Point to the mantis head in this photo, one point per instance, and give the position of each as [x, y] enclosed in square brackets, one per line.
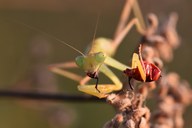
[91, 63]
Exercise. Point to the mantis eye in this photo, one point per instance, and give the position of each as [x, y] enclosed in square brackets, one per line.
[80, 61]
[100, 57]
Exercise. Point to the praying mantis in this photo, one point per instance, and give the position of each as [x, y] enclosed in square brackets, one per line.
[99, 56]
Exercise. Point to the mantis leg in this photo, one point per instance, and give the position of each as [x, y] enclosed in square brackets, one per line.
[85, 80]
[60, 69]
[122, 28]
[136, 63]
[118, 39]
[138, 14]
[103, 88]
[115, 64]
[124, 16]
[129, 5]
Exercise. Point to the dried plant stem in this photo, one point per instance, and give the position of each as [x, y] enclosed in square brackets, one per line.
[158, 43]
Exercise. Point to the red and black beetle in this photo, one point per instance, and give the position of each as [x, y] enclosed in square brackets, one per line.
[142, 70]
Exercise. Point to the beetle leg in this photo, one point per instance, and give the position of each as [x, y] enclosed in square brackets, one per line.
[141, 59]
[151, 75]
[130, 85]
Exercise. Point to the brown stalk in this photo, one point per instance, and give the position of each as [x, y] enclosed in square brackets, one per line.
[174, 94]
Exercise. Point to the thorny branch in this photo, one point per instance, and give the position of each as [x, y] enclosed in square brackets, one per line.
[174, 95]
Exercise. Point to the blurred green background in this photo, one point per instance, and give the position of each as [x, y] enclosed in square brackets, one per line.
[25, 53]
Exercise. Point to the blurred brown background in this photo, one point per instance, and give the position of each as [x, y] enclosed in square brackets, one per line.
[25, 53]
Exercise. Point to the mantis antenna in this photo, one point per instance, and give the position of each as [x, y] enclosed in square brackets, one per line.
[96, 27]
[49, 35]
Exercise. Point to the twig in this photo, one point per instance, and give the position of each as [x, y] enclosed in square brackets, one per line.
[48, 96]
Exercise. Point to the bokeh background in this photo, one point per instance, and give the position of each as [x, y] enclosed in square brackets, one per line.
[25, 53]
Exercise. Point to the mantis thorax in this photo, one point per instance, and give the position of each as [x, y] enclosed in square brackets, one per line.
[101, 45]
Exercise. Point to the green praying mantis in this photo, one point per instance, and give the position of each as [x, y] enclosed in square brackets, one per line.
[99, 56]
